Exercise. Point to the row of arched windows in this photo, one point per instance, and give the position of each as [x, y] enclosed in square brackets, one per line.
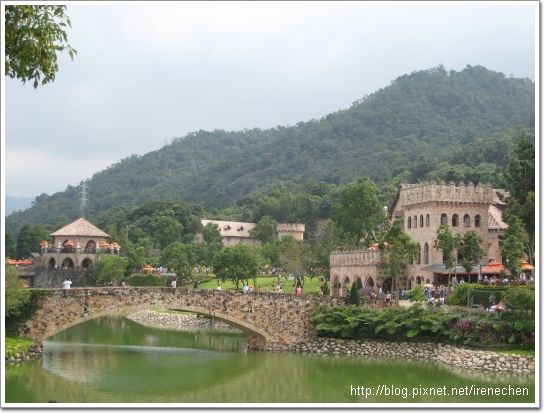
[455, 220]
[413, 223]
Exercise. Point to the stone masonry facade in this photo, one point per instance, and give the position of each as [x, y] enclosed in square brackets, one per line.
[274, 321]
[422, 209]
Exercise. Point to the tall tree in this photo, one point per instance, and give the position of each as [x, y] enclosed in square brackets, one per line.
[512, 244]
[10, 246]
[470, 250]
[33, 37]
[181, 258]
[447, 243]
[398, 252]
[265, 230]
[237, 264]
[358, 212]
[167, 230]
[110, 268]
[211, 233]
[28, 239]
[520, 176]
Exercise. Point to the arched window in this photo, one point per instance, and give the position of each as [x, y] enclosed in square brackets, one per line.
[426, 253]
[455, 220]
[421, 221]
[443, 219]
[466, 220]
[415, 221]
[418, 258]
[52, 263]
[409, 222]
[428, 220]
[67, 263]
[477, 221]
[90, 246]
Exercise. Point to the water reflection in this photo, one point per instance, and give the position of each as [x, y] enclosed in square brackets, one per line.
[115, 361]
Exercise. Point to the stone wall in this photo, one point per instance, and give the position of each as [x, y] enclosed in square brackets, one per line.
[431, 352]
[53, 278]
[276, 321]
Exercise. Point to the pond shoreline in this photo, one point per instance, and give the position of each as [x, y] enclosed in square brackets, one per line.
[445, 354]
[181, 321]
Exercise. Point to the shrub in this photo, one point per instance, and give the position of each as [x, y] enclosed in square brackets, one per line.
[459, 296]
[416, 294]
[146, 281]
[458, 326]
[353, 294]
[326, 290]
[519, 298]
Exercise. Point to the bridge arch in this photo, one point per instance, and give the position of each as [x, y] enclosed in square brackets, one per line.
[273, 321]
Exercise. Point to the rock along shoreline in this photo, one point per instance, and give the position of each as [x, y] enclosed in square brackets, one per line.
[33, 352]
[480, 360]
[182, 322]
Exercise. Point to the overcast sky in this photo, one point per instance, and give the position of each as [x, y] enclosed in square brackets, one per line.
[146, 73]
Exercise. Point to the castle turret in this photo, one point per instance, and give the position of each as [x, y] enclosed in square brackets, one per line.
[294, 230]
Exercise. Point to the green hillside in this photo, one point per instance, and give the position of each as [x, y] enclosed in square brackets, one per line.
[432, 124]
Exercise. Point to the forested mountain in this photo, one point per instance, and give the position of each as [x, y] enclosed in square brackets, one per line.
[431, 124]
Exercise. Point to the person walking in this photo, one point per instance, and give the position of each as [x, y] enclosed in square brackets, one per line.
[66, 284]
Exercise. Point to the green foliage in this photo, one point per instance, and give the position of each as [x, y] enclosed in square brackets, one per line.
[20, 303]
[520, 299]
[512, 244]
[16, 297]
[33, 36]
[358, 212]
[16, 347]
[181, 258]
[325, 288]
[136, 258]
[469, 247]
[265, 230]
[459, 296]
[28, 240]
[237, 264]
[456, 327]
[138, 280]
[416, 294]
[353, 294]
[447, 243]
[10, 246]
[110, 268]
[427, 125]
[401, 250]
[211, 234]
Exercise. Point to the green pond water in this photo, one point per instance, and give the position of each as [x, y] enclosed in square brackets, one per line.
[114, 360]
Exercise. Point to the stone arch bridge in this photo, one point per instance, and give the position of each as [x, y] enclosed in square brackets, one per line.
[273, 321]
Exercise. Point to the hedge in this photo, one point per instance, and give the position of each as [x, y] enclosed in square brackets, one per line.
[459, 326]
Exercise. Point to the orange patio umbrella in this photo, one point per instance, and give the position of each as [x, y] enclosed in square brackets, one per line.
[104, 245]
[493, 267]
[525, 266]
[148, 268]
[25, 262]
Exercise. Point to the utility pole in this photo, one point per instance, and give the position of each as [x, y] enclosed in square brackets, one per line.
[84, 199]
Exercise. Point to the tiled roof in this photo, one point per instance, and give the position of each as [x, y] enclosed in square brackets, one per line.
[80, 227]
[494, 218]
[232, 228]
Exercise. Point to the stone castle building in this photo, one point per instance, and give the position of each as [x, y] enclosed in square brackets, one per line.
[75, 246]
[233, 232]
[423, 208]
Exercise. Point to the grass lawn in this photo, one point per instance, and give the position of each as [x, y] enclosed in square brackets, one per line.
[516, 351]
[16, 346]
[311, 285]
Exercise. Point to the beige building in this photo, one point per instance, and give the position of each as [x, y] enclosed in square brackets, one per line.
[423, 208]
[233, 232]
[75, 246]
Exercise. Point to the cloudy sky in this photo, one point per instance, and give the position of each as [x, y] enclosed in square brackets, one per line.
[146, 73]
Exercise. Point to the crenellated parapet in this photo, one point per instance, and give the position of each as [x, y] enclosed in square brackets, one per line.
[294, 230]
[412, 194]
[355, 258]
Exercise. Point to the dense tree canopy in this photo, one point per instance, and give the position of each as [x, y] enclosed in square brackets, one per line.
[34, 34]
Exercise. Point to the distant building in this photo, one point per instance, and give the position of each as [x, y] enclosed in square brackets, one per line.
[76, 246]
[233, 232]
[292, 230]
[422, 209]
